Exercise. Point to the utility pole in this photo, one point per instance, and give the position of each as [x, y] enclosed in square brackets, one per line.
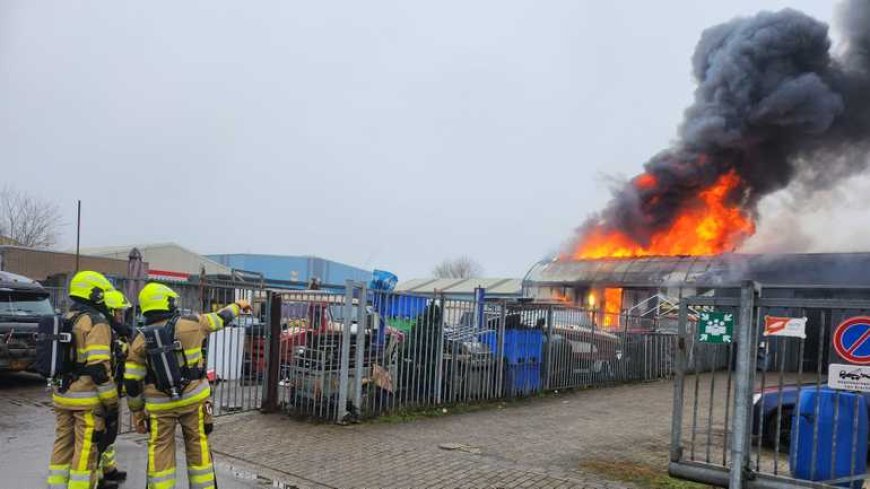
[78, 233]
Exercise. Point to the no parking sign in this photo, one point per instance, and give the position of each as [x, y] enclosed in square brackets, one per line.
[852, 340]
[852, 343]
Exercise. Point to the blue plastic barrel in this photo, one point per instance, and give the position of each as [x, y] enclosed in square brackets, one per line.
[522, 379]
[521, 346]
[838, 441]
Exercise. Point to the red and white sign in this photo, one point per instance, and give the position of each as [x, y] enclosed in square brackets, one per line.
[168, 276]
[783, 326]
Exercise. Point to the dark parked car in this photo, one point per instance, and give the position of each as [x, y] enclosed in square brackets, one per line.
[765, 406]
[23, 302]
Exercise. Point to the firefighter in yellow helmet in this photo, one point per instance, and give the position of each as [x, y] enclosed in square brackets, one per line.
[84, 395]
[165, 375]
[117, 305]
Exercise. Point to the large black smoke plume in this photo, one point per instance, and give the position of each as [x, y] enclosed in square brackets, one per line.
[774, 103]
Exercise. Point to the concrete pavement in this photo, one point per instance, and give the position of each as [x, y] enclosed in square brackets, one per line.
[549, 442]
[27, 433]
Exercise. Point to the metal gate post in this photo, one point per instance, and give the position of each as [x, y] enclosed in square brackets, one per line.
[680, 365]
[499, 350]
[273, 354]
[361, 325]
[439, 351]
[548, 375]
[742, 389]
[344, 373]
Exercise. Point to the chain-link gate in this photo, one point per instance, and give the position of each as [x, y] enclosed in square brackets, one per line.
[756, 409]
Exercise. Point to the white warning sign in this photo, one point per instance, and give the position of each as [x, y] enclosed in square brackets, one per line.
[849, 377]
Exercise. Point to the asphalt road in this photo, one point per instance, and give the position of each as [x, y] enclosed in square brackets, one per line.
[27, 434]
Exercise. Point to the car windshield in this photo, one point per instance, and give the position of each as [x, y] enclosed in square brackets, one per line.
[24, 304]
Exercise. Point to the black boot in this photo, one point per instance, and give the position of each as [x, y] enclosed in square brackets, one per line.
[108, 484]
[115, 475]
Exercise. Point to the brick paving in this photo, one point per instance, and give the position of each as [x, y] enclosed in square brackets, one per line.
[538, 443]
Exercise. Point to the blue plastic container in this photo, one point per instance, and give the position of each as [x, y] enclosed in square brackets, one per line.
[522, 379]
[850, 446]
[520, 345]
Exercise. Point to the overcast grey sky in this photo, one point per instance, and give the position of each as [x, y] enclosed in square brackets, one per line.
[381, 134]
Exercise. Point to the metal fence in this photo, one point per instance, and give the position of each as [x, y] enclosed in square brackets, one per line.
[766, 417]
[370, 353]
[362, 354]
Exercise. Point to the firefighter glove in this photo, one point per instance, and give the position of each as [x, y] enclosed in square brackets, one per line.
[244, 305]
[208, 422]
[140, 421]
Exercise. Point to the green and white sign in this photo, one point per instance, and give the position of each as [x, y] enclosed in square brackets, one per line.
[715, 327]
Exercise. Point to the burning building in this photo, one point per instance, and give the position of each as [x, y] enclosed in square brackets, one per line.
[773, 110]
[643, 286]
[777, 108]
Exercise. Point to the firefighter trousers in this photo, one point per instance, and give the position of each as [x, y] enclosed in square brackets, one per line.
[107, 459]
[74, 457]
[161, 448]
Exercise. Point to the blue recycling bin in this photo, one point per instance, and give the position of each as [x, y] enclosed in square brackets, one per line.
[521, 346]
[838, 443]
[522, 379]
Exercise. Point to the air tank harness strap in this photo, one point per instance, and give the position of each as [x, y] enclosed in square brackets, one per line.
[97, 373]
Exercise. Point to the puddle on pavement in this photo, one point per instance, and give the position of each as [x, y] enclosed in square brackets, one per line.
[243, 474]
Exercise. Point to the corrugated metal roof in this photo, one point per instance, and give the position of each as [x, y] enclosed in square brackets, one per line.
[415, 285]
[493, 286]
[163, 256]
[644, 270]
[124, 249]
[804, 268]
[511, 286]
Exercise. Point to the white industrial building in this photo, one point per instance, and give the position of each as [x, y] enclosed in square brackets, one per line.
[463, 288]
[165, 260]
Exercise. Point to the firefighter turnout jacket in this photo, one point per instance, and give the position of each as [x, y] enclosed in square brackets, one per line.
[191, 331]
[91, 385]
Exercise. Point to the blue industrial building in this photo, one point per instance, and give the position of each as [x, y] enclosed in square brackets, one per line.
[295, 271]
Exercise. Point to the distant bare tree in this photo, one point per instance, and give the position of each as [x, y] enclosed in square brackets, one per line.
[461, 267]
[28, 220]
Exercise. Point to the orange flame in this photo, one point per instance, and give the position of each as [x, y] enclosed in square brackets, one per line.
[645, 181]
[706, 226]
[560, 296]
[612, 307]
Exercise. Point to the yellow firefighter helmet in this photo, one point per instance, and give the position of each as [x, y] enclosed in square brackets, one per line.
[90, 286]
[157, 297]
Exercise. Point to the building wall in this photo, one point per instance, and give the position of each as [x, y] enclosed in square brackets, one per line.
[294, 268]
[42, 264]
[167, 257]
